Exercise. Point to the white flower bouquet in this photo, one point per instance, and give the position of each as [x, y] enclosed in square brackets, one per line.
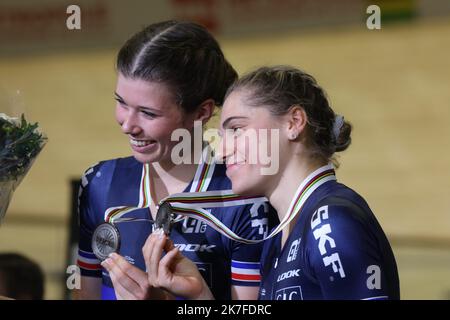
[20, 143]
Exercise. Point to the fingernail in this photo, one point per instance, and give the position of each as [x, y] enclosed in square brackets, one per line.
[105, 263]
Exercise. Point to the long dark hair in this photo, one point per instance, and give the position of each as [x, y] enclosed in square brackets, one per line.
[182, 55]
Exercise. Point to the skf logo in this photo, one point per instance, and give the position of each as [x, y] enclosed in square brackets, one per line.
[322, 234]
[289, 274]
[289, 293]
[292, 255]
[261, 224]
[192, 247]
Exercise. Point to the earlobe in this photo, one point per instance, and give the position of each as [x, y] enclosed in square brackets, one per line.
[297, 122]
[291, 131]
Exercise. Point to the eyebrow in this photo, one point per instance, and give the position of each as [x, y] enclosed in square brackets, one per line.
[228, 120]
[141, 107]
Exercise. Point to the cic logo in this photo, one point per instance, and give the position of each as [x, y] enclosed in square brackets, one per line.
[289, 293]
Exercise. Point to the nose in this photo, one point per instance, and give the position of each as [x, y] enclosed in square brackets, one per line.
[225, 149]
[130, 124]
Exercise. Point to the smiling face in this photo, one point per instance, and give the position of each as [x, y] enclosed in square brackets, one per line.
[148, 114]
[245, 147]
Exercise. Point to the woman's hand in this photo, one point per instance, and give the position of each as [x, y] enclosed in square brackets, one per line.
[173, 272]
[130, 282]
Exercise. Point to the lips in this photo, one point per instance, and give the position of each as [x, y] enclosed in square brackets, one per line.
[233, 166]
[141, 143]
[142, 146]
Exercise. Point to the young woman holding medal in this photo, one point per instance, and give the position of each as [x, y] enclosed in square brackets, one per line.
[330, 245]
[170, 75]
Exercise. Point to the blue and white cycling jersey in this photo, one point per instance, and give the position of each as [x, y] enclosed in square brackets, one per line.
[337, 250]
[221, 261]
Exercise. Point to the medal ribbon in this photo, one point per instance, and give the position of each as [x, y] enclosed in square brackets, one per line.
[304, 191]
[197, 198]
[192, 204]
[113, 214]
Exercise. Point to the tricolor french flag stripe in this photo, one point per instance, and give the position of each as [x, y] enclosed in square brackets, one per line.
[245, 271]
[88, 260]
[244, 265]
[86, 254]
[246, 277]
[88, 266]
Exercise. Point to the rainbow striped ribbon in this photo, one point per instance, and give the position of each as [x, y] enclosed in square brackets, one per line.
[201, 182]
[304, 191]
[197, 198]
[193, 204]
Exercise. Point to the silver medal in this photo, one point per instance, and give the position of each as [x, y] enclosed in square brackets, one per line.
[164, 218]
[105, 240]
